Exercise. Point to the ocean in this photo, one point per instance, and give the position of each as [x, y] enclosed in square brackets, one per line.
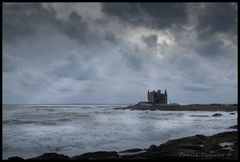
[31, 130]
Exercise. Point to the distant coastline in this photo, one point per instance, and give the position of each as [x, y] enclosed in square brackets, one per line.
[178, 107]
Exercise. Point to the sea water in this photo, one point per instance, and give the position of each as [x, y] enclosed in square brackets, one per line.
[31, 130]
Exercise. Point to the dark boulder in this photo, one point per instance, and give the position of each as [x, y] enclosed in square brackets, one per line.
[50, 156]
[15, 158]
[97, 155]
[233, 127]
[217, 115]
[131, 150]
[201, 137]
[152, 148]
[200, 115]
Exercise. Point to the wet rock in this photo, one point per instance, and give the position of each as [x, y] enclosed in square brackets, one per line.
[195, 107]
[187, 141]
[232, 113]
[97, 155]
[201, 137]
[15, 158]
[234, 127]
[191, 147]
[50, 156]
[200, 144]
[152, 148]
[217, 115]
[131, 150]
[213, 141]
[200, 115]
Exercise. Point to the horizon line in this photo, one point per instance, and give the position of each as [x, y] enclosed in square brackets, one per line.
[104, 103]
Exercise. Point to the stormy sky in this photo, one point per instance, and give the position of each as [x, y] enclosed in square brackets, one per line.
[116, 52]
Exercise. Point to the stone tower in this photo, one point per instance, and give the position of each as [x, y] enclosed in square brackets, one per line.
[165, 94]
[156, 97]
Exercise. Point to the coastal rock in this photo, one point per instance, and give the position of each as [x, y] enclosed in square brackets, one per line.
[194, 147]
[214, 140]
[193, 140]
[97, 155]
[191, 107]
[232, 113]
[234, 127]
[152, 148]
[200, 115]
[202, 137]
[217, 115]
[199, 144]
[131, 150]
[15, 158]
[50, 156]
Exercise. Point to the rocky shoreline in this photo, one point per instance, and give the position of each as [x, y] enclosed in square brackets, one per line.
[219, 146]
[172, 107]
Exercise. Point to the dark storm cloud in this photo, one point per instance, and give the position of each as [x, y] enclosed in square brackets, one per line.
[24, 20]
[150, 40]
[77, 29]
[153, 15]
[217, 18]
[216, 23]
[211, 20]
[110, 37]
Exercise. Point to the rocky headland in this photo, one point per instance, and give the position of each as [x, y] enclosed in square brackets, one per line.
[177, 107]
[219, 146]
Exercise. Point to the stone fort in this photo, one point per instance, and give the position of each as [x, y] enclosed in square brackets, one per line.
[156, 97]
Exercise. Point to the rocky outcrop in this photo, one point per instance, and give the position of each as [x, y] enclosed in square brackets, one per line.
[217, 115]
[131, 150]
[195, 147]
[171, 107]
[152, 148]
[200, 115]
[50, 156]
[97, 155]
[15, 158]
[234, 127]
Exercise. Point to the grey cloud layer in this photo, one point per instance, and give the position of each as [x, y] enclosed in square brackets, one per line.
[217, 18]
[151, 40]
[20, 21]
[154, 15]
[212, 20]
[186, 48]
